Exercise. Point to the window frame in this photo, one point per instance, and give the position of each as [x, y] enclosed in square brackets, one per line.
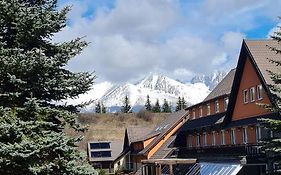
[208, 109]
[259, 92]
[222, 137]
[200, 111]
[245, 96]
[252, 94]
[193, 114]
[198, 140]
[205, 139]
[232, 136]
[245, 135]
[225, 103]
[217, 106]
[213, 138]
[258, 133]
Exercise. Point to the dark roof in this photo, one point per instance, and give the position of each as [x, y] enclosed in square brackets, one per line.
[223, 88]
[136, 133]
[202, 122]
[165, 149]
[115, 148]
[168, 124]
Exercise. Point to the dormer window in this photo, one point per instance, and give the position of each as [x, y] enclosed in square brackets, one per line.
[245, 96]
[259, 92]
[217, 106]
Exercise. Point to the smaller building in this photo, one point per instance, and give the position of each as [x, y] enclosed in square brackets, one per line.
[102, 154]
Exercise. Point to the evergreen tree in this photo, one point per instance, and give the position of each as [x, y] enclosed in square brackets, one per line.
[183, 103]
[126, 108]
[166, 107]
[272, 146]
[98, 108]
[156, 108]
[33, 76]
[148, 106]
[103, 109]
[179, 104]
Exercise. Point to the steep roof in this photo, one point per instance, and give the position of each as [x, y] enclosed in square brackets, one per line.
[165, 150]
[135, 133]
[168, 124]
[259, 53]
[223, 88]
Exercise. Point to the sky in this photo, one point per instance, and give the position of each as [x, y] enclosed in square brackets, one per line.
[130, 39]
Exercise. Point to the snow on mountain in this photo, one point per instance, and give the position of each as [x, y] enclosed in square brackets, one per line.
[210, 80]
[156, 86]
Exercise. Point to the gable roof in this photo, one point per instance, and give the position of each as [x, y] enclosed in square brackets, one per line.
[135, 133]
[171, 121]
[223, 88]
[258, 52]
[165, 150]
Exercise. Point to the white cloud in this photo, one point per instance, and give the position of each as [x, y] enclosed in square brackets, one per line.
[136, 37]
[273, 30]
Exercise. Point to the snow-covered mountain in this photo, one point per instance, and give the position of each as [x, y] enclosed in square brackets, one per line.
[210, 80]
[156, 86]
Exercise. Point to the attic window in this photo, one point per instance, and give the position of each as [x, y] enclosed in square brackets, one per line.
[259, 92]
[252, 94]
[245, 96]
[102, 145]
[96, 154]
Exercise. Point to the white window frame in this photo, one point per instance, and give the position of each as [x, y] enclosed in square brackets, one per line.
[226, 101]
[245, 96]
[252, 94]
[222, 137]
[200, 111]
[232, 136]
[208, 109]
[217, 106]
[213, 138]
[205, 139]
[259, 92]
[258, 133]
[245, 135]
[198, 140]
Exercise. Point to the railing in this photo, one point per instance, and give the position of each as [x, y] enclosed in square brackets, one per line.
[223, 150]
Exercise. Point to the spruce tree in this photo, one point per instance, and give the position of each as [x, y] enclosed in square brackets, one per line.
[166, 107]
[148, 106]
[183, 103]
[156, 108]
[98, 108]
[179, 104]
[126, 108]
[103, 109]
[33, 75]
[272, 146]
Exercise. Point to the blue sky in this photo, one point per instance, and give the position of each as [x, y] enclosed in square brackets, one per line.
[178, 38]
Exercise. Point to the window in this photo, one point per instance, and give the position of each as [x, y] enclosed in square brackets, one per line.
[258, 133]
[193, 113]
[205, 139]
[189, 140]
[245, 96]
[222, 138]
[245, 135]
[232, 136]
[225, 103]
[259, 92]
[213, 138]
[208, 109]
[198, 140]
[100, 153]
[100, 145]
[200, 111]
[252, 94]
[217, 106]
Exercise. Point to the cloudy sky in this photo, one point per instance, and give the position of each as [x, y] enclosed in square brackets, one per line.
[179, 38]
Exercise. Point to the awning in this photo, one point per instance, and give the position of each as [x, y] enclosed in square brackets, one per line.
[207, 168]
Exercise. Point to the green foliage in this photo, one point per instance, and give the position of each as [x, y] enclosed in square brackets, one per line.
[126, 108]
[32, 77]
[103, 109]
[166, 107]
[272, 146]
[156, 108]
[98, 108]
[148, 106]
[181, 104]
